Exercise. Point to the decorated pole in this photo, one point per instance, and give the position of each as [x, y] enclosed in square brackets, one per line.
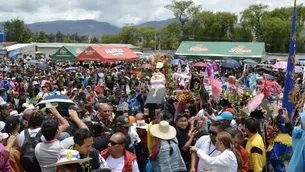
[289, 88]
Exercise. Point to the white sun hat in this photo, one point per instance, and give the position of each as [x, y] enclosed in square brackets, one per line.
[163, 131]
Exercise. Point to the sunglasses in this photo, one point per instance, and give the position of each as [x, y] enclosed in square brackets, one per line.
[112, 143]
[213, 133]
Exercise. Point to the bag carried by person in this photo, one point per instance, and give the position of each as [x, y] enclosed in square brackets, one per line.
[28, 158]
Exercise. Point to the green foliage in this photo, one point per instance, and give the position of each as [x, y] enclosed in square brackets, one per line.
[110, 38]
[147, 35]
[26, 36]
[13, 29]
[129, 35]
[183, 10]
[42, 37]
[94, 40]
[170, 36]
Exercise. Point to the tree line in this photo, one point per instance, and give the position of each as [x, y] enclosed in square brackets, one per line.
[257, 23]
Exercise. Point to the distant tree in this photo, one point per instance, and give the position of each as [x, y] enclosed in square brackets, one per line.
[51, 37]
[26, 36]
[170, 36]
[42, 37]
[129, 35]
[148, 33]
[59, 37]
[13, 29]
[183, 10]
[68, 40]
[252, 18]
[110, 38]
[94, 40]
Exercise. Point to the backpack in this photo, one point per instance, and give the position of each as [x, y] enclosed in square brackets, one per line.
[28, 158]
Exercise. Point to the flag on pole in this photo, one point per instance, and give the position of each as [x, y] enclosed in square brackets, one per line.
[289, 80]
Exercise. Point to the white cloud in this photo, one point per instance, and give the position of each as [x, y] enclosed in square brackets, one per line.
[115, 12]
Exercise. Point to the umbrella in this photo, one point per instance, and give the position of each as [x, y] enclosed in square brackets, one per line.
[2, 53]
[14, 54]
[264, 69]
[119, 66]
[297, 69]
[145, 66]
[250, 62]
[70, 68]
[64, 103]
[280, 65]
[268, 76]
[199, 64]
[33, 62]
[230, 64]
[39, 53]
[42, 66]
[177, 61]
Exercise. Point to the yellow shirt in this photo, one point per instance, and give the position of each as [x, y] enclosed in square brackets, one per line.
[150, 139]
[257, 153]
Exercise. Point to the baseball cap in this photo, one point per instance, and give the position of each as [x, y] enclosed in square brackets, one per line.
[11, 121]
[231, 110]
[122, 121]
[225, 116]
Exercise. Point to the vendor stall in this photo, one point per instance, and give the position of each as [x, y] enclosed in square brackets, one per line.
[68, 53]
[107, 54]
[222, 50]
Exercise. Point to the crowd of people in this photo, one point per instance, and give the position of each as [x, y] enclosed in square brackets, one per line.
[122, 117]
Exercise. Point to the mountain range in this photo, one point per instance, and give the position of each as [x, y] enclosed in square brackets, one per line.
[86, 27]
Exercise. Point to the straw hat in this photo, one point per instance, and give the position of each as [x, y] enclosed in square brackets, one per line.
[67, 156]
[163, 131]
[141, 124]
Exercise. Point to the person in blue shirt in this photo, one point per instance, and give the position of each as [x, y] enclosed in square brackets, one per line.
[133, 100]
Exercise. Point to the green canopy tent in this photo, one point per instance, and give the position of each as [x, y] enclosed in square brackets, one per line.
[68, 53]
[222, 50]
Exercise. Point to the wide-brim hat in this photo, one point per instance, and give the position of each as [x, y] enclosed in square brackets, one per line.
[68, 156]
[141, 125]
[78, 161]
[163, 131]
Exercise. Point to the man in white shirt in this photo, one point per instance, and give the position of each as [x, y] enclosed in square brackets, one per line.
[207, 144]
[47, 151]
[117, 158]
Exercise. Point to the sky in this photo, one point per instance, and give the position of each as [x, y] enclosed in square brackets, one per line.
[116, 12]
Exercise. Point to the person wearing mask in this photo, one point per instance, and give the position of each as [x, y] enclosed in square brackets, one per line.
[255, 146]
[229, 159]
[165, 152]
[208, 145]
[117, 157]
